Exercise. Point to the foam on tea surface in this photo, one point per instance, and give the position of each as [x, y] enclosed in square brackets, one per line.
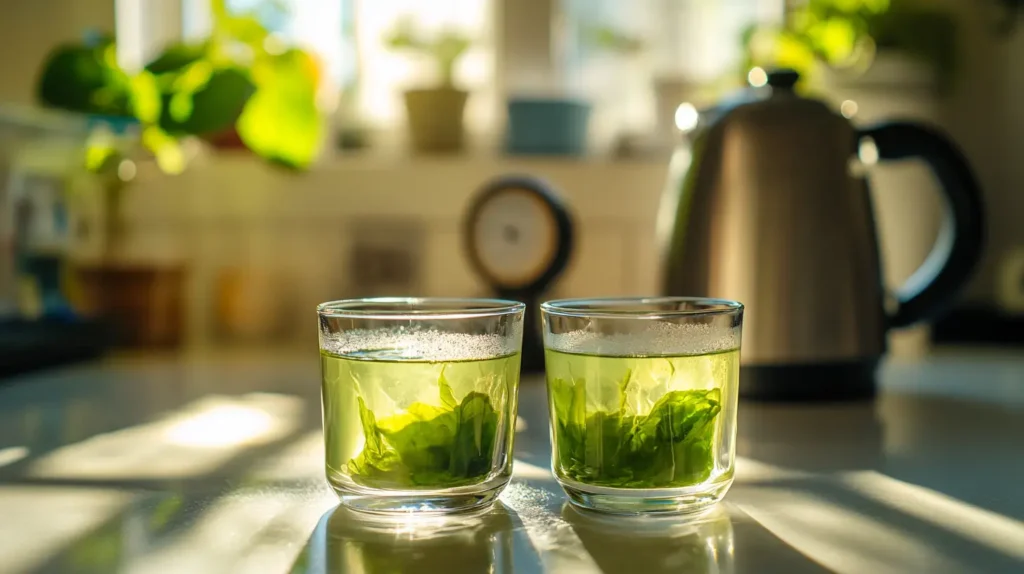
[649, 339]
[416, 345]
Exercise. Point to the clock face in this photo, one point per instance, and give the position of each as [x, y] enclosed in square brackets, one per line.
[515, 236]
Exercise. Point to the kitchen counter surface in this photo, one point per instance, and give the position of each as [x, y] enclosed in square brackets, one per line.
[213, 463]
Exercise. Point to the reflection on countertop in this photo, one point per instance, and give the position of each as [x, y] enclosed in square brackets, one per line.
[213, 463]
[656, 545]
[347, 541]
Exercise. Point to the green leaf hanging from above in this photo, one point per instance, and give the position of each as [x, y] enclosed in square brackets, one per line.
[281, 122]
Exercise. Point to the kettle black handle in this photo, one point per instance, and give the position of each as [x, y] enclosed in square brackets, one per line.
[958, 249]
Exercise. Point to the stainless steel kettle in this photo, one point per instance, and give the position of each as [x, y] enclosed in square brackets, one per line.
[768, 206]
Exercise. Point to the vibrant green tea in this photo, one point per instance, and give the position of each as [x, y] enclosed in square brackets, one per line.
[393, 423]
[640, 422]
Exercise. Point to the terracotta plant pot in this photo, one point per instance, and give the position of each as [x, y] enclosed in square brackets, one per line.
[143, 303]
[435, 119]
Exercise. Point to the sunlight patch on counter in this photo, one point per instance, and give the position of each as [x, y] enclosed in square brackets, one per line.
[191, 441]
[750, 470]
[838, 537]
[221, 426]
[559, 547]
[37, 522]
[984, 527]
[246, 532]
[527, 471]
[12, 454]
[303, 459]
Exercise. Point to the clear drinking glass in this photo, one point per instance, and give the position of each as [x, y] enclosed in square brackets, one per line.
[419, 401]
[642, 396]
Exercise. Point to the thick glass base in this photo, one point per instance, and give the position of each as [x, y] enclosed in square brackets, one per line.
[628, 501]
[447, 501]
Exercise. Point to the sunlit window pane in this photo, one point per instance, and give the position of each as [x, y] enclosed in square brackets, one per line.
[349, 36]
[615, 52]
[315, 25]
[680, 41]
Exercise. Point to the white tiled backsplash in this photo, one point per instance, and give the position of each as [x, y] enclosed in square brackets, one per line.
[286, 240]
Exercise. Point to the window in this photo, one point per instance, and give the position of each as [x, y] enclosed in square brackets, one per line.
[349, 37]
[315, 25]
[695, 41]
[385, 72]
[619, 51]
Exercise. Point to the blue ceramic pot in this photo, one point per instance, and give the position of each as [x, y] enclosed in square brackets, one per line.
[547, 126]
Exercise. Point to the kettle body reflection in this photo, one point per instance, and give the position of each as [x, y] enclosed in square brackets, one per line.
[769, 205]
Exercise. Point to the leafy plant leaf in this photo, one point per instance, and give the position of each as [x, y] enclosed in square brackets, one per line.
[429, 446]
[145, 98]
[85, 79]
[445, 48]
[424, 446]
[166, 148]
[624, 389]
[205, 100]
[447, 396]
[176, 57]
[670, 446]
[376, 459]
[281, 122]
[473, 447]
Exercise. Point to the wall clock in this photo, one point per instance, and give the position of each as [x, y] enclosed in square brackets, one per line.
[519, 238]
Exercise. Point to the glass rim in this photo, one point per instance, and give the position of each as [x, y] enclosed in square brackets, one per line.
[423, 308]
[618, 307]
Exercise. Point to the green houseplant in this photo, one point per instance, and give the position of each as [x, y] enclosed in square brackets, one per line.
[435, 114]
[848, 34]
[240, 82]
[236, 87]
[559, 125]
[240, 87]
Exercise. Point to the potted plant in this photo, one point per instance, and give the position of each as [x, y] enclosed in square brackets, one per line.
[241, 87]
[850, 35]
[237, 88]
[84, 78]
[435, 114]
[561, 124]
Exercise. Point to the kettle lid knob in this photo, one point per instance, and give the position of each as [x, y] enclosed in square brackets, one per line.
[783, 79]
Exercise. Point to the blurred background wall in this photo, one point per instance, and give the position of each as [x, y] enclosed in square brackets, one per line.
[31, 29]
[242, 223]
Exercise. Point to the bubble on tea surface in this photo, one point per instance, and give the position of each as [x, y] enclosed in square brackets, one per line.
[651, 339]
[416, 345]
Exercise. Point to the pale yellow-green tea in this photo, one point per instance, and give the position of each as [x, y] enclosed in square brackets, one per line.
[642, 422]
[400, 424]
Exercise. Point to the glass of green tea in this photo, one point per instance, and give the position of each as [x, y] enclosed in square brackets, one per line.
[642, 398]
[419, 401]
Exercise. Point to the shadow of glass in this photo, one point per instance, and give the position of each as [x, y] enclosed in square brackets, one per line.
[349, 541]
[846, 530]
[971, 451]
[703, 544]
[827, 437]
